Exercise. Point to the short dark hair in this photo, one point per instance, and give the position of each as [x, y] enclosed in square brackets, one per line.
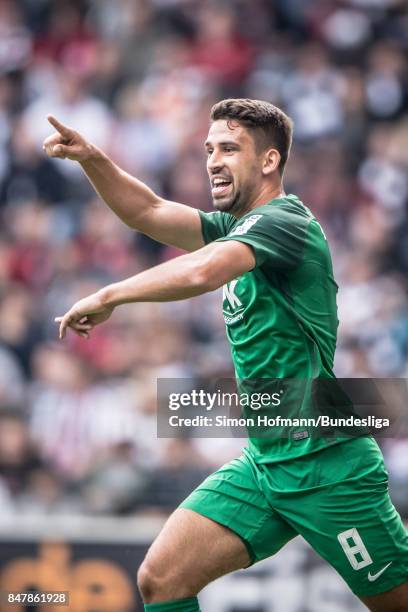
[269, 124]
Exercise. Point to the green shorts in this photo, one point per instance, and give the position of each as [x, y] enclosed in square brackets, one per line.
[337, 499]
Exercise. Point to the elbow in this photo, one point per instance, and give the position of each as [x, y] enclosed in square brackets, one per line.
[205, 279]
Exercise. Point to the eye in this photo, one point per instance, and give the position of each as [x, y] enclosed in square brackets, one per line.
[209, 152]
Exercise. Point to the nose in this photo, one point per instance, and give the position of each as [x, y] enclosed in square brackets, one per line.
[214, 163]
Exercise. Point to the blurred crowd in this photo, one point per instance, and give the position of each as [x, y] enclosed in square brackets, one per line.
[138, 77]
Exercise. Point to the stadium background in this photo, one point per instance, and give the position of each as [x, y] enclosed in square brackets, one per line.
[137, 77]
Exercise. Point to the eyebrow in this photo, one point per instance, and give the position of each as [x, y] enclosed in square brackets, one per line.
[223, 143]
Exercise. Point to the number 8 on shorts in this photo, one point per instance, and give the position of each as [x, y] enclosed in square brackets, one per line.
[354, 548]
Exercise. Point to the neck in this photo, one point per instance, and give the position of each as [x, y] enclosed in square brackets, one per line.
[264, 196]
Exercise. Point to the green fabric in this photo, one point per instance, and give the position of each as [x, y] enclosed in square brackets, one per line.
[337, 499]
[176, 605]
[281, 317]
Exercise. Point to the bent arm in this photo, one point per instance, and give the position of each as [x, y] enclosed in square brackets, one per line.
[130, 199]
[140, 208]
[183, 277]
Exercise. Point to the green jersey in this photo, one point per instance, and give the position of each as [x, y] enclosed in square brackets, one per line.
[281, 317]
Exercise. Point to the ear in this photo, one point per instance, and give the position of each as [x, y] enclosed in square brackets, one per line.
[271, 161]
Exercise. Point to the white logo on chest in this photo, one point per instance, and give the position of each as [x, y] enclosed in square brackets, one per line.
[229, 295]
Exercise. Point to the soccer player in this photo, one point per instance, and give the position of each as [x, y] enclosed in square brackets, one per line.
[271, 255]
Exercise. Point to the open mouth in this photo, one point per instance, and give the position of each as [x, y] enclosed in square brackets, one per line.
[220, 187]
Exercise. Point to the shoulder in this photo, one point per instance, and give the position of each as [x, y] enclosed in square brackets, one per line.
[286, 213]
[288, 207]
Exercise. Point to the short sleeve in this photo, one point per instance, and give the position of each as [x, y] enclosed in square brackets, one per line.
[215, 225]
[277, 237]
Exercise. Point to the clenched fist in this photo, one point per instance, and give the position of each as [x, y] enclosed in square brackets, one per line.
[66, 143]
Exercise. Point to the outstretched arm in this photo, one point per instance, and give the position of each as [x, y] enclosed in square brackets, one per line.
[177, 279]
[133, 201]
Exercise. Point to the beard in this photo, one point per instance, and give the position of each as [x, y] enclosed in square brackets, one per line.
[237, 204]
[227, 204]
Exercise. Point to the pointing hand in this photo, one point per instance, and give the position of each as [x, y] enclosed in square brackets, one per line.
[84, 315]
[66, 143]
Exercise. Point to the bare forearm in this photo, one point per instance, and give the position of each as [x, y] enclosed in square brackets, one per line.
[178, 279]
[128, 197]
[183, 277]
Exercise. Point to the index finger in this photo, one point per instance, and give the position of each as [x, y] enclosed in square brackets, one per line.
[64, 323]
[60, 127]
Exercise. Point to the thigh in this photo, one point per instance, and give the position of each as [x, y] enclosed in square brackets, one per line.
[233, 497]
[195, 550]
[350, 519]
[391, 601]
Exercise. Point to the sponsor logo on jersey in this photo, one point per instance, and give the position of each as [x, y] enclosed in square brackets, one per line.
[229, 295]
[234, 319]
[233, 308]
